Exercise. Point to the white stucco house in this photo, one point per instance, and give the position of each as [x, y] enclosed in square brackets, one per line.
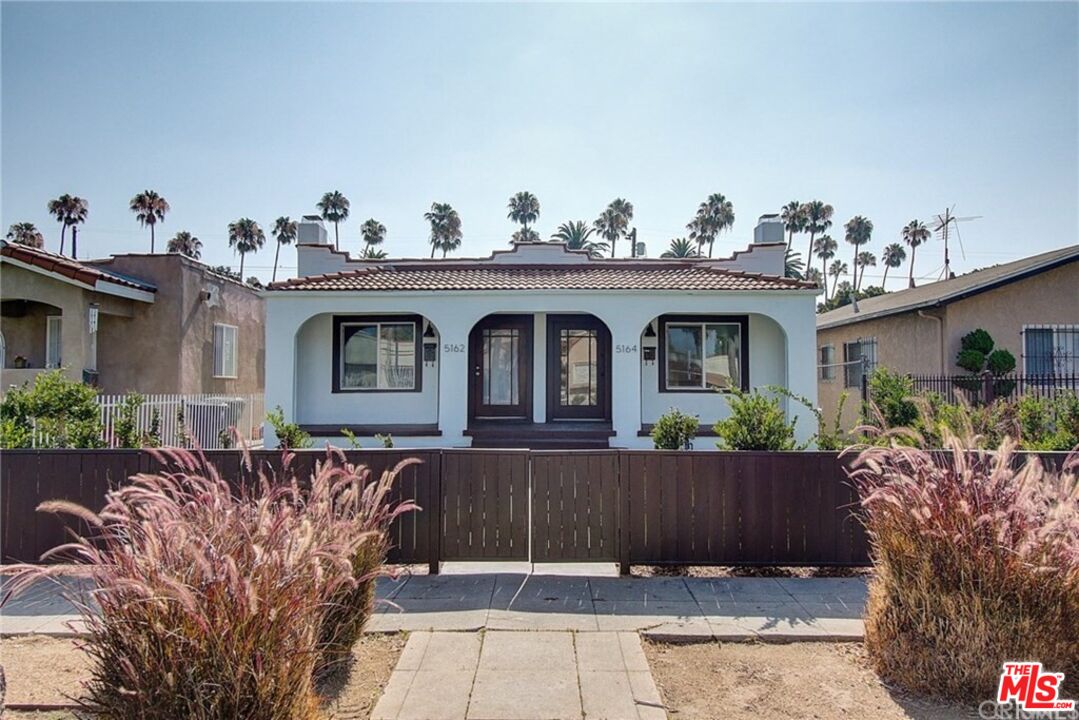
[535, 346]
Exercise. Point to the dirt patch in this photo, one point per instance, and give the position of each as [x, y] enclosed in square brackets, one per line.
[744, 681]
[351, 693]
[43, 671]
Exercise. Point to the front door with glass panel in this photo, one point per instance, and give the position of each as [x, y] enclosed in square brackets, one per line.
[500, 359]
[578, 368]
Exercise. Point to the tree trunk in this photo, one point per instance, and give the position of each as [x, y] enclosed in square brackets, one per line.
[336, 239]
[614, 244]
[433, 248]
[275, 255]
[912, 250]
[74, 241]
[242, 267]
[151, 238]
[63, 231]
[711, 242]
[790, 238]
[884, 282]
[812, 234]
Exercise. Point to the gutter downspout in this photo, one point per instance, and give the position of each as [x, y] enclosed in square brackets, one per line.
[940, 334]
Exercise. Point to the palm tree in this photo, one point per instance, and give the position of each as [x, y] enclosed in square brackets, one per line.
[813, 275]
[373, 233]
[681, 248]
[334, 208]
[914, 234]
[575, 234]
[859, 231]
[524, 208]
[837, 269]
[373, 253]
[185, 243]
[149, 209]
[610, 226]
[818, 218]
[26, 233]
[69, 210]
[525, 235]
[825, 248]
[245, 236]
[284, 231]
[794, 219]
[615, 219]
[714, 215]
[865, 259]
[793, 267]
[893, 257]
[445, 228]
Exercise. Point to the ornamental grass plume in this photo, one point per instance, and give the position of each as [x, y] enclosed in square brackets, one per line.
[976, 558]
[212, 599]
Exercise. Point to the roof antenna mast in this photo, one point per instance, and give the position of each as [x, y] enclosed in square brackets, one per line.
[941, 225]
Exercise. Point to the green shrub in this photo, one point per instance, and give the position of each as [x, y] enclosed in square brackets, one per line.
[971, 360]
[62, 412]
[675, 430]
[975, 563]
[1000, 362]
[977, 340]
[890, 400]
[125, 430]
[386, 440]
[1046, 424]
[756, 422]
[289, 435]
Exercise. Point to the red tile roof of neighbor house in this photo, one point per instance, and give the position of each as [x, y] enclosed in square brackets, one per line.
[68, 267]
[617, 275]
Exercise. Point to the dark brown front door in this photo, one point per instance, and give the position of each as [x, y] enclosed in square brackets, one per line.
[500, 358]
[578, 368]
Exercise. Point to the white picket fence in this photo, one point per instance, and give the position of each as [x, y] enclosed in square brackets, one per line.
[207, 419]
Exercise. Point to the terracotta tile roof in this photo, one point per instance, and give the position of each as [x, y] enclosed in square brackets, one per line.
[616, 276]
[68, 267]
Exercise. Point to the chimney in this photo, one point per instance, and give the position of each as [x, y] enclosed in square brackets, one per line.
[311, 231]
[769, 229]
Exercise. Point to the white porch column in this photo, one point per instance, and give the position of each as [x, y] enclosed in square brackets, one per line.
[539, 367]
[281, 327]
[626, 380]
[453, 373]
[801, 348]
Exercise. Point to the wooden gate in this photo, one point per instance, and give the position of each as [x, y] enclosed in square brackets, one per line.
[575, 505]
[484, 513]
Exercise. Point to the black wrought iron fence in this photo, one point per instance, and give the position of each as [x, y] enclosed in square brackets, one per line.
[984, 388]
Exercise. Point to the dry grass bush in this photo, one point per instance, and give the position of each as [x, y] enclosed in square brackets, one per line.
[976, 562]
[215, 602]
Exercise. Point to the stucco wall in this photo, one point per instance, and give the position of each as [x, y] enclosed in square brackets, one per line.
[317, 404]
[1048, 298]
[908, 343]
[454, 314]
[767, 366]
[73, 304]
[168, 347]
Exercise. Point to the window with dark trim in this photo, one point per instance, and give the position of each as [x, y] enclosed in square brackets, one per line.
[377, 353]
[826, 362]
[703, 353]
[859, 358]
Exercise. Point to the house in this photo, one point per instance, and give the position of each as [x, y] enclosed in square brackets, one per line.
[1030, 307]
[536, 346]
[143, 323]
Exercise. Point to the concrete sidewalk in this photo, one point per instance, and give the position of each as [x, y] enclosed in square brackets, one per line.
[500, 675]
[780, 610]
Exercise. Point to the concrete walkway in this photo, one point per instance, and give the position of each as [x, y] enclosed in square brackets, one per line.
[664, 608]
[502, 675]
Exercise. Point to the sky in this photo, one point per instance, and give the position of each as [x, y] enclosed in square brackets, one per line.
[892, 111]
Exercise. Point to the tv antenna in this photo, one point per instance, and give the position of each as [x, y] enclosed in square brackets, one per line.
[942, 225]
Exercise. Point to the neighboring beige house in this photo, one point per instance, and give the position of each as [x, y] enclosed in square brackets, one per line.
[1030, 307]
[153, 324]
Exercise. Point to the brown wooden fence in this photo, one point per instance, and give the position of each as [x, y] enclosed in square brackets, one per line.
[628, 506]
